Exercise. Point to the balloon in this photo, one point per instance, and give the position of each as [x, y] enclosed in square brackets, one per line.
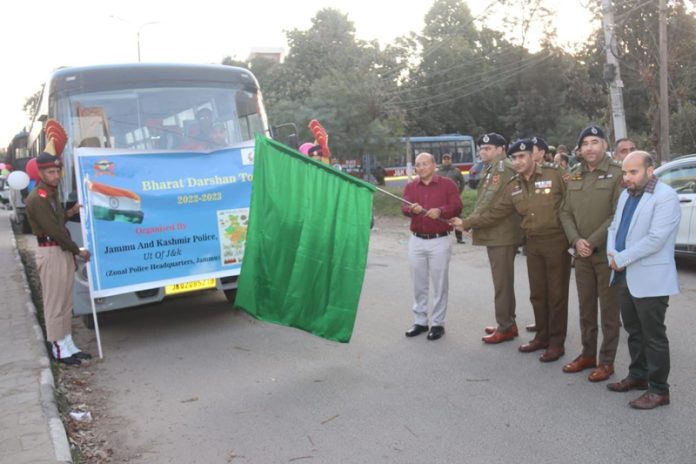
[304, 148]
[2, 166]
[18, 180]
[32, 169]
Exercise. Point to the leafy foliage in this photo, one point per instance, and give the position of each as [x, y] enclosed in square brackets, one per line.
[460, 74]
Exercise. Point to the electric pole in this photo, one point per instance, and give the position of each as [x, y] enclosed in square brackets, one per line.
[663, 152]
[611, 72]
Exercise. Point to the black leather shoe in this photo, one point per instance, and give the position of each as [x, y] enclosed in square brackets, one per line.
[436, 332]
[82, 355]
[71, 361]
[417, 329]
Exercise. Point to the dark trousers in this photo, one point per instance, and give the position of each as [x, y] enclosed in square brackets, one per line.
[644, 320]
[592, 278]
[548, 268]
[502, 261]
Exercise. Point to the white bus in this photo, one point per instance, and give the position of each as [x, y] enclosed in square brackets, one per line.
[145, 107]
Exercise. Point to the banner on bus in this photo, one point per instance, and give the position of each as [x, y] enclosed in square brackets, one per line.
[175, 219]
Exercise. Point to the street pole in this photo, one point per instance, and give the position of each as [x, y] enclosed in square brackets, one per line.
[409, 161]
[612, 74]
[138, 29]
[663, 153]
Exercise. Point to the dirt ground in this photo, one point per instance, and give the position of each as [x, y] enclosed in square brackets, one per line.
[91, 437]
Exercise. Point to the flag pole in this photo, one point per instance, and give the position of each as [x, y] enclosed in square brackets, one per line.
[396, 197]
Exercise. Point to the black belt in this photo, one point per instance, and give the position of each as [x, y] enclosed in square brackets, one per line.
[429, 236]
[46, 241]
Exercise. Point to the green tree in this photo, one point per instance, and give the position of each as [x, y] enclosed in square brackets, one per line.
[637, 39]
[31, 104]
[343, 82]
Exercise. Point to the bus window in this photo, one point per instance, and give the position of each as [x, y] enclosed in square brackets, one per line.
[162, 118]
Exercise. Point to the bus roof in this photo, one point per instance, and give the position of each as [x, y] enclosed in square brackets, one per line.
[440, 138]
[119, 76]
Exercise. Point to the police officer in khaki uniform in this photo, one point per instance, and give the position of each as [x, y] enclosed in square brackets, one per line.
[446, 169]
[501, 239]
[536, 193]
[55, 256]
[539, 150]
[593, 191]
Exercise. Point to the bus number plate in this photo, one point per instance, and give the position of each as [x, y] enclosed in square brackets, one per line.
[189, 286]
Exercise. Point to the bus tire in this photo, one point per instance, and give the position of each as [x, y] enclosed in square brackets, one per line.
[88, 321]
[26, 227]
[231, 295]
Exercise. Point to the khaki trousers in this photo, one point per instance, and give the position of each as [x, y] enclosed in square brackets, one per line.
[502, 261]
[548, 268]
[592, 276]
[57, 273]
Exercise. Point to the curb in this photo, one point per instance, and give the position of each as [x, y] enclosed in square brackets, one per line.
[47, 396]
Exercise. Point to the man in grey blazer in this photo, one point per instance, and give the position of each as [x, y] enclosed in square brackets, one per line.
[640, 250]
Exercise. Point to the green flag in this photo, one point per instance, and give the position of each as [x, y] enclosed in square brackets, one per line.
[306, 249]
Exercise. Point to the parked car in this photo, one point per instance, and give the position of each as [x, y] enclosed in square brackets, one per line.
[680, 174]
[474, 175]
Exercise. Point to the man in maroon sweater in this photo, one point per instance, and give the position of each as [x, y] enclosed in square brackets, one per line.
[434, 199]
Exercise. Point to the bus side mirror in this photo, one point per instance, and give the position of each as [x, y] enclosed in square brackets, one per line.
[292, 139]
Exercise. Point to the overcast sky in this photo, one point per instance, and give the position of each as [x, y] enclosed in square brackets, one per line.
[39, 36]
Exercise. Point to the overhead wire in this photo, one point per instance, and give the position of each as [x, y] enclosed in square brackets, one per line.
[467, 90]
[467, 77]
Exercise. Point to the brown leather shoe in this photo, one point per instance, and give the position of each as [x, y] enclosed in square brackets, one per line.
[532, 346]
[490, 329]
[579, 364]
[499, 337]
[602, 373]
[649, 400]
[552, 353]
[627, 384]
[532, 328]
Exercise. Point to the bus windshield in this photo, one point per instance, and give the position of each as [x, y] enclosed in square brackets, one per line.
[162, 118]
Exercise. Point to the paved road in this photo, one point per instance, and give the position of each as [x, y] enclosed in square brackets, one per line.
[193, 381]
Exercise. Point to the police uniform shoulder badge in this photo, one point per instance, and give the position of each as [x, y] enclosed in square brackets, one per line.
[42, 193]
[501, 166]
[615, 162]
[576, 172]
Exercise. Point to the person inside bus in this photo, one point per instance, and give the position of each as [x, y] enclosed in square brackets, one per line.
[161, 137]
[199, 136]
[218, 137]
[204, 130]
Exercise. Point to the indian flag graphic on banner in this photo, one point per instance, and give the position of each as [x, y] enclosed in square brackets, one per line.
[114, 203]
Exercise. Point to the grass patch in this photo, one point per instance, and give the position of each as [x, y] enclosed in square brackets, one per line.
[386, 206]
